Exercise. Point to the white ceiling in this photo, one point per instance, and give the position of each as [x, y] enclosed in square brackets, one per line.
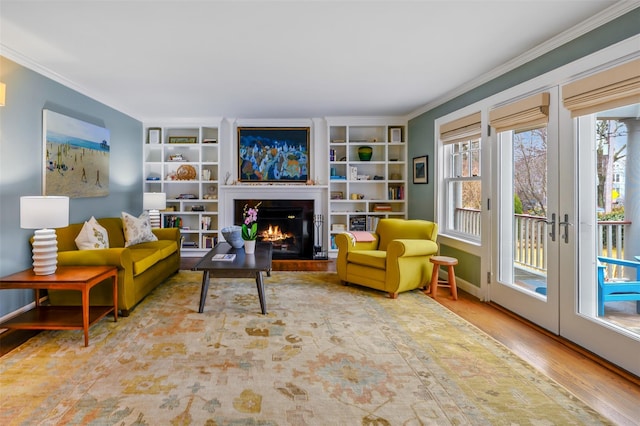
[157, 60]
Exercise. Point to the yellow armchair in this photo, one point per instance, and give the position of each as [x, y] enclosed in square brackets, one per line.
[397, 259]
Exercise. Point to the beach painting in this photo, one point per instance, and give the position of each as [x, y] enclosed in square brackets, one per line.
[76, 157]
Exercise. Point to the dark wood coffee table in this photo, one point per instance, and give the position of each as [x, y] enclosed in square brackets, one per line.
[243, 266]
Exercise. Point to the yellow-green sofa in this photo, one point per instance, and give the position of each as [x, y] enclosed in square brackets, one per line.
[141, 267]
[396, 261]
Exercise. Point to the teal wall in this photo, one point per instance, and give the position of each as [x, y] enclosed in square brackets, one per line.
[421, 129]
[21, 163]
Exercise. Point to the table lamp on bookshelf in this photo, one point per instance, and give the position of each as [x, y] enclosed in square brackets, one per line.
[154, 202]
[43, 213]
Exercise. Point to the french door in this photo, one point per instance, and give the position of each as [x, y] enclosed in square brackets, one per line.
[615, 334]
[532, 220]
[547, 235]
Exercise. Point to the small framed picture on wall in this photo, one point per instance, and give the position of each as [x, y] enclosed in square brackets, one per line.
[421, 169]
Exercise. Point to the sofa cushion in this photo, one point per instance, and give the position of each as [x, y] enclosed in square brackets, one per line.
[373, 258]
[137, 229]
[145, 255]
[144, 259]
[92, 236]
[165, 247]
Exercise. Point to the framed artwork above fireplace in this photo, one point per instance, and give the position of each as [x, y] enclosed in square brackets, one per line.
[273, 154]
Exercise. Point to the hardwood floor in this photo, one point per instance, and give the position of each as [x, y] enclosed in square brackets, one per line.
[612, 392]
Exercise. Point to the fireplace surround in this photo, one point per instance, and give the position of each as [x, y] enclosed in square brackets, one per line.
[287, 224]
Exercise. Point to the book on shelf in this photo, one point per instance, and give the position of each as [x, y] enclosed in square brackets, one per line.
[382, 207]
[358, 223]
[228, 257]
[338, 227]
[209, 241]
[372, 223]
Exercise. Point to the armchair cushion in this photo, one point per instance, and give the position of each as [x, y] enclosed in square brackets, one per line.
[396, 260]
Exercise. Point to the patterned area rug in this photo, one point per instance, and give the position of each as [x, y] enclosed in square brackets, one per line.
[325, 354]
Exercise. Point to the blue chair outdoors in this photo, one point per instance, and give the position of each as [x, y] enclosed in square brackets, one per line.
[610, 291]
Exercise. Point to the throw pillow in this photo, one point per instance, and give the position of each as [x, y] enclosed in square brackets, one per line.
[92, 236]
[137, 229]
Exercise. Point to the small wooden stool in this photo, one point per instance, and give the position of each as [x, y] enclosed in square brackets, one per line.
[450, 262]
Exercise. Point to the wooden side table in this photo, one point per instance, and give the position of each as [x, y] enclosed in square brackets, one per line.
[79, 278]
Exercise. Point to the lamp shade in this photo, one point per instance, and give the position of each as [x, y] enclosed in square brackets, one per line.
[39, 212]
[3, 93]
[154, 201]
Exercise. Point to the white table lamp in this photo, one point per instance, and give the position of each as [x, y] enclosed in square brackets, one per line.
[44, 213]
[154, 202]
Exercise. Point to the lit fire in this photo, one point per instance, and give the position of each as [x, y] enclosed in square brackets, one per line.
[274, 234]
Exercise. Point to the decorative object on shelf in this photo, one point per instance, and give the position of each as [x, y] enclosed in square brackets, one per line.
[176, 157]
[44, 213]
[233, 235]
[186, 197]
[154, 202]
[205, 223]
[395, 134]
[365, 153]
[337, 195]
[198, 208]
[183, 139]
[250, 222]
[421, 169]
[186, 172]
[154, 135]
[206, 174]
[353, 173]
[212, 193]
[338, 227]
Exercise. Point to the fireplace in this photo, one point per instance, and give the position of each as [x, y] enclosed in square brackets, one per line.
[287, 224]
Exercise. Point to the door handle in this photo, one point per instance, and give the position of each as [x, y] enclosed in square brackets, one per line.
[552, 224]
[566, 224]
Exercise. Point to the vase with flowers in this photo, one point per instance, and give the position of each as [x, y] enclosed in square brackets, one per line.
[250, 227]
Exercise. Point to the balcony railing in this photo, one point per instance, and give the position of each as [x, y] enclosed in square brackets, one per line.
[530, 238]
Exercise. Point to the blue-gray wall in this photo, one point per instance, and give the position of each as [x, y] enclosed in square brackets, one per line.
[421, 129]
[21, 163]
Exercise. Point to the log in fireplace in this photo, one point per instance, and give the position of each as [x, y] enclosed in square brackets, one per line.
[287, 224]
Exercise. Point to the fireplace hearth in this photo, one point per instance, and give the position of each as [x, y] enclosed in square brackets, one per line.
[287, 224]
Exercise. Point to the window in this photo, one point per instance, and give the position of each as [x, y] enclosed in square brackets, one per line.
[463, 188]
[462, 178]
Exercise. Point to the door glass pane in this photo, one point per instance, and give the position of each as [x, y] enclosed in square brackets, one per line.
[611, 212]
[524, 220]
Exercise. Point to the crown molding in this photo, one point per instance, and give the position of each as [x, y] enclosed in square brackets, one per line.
[33, 65]
[572, 33]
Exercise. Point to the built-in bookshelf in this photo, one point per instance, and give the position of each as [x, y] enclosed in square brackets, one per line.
[183, 162]
[363, 189]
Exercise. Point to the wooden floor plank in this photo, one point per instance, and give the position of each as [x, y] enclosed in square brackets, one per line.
[611, 391]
